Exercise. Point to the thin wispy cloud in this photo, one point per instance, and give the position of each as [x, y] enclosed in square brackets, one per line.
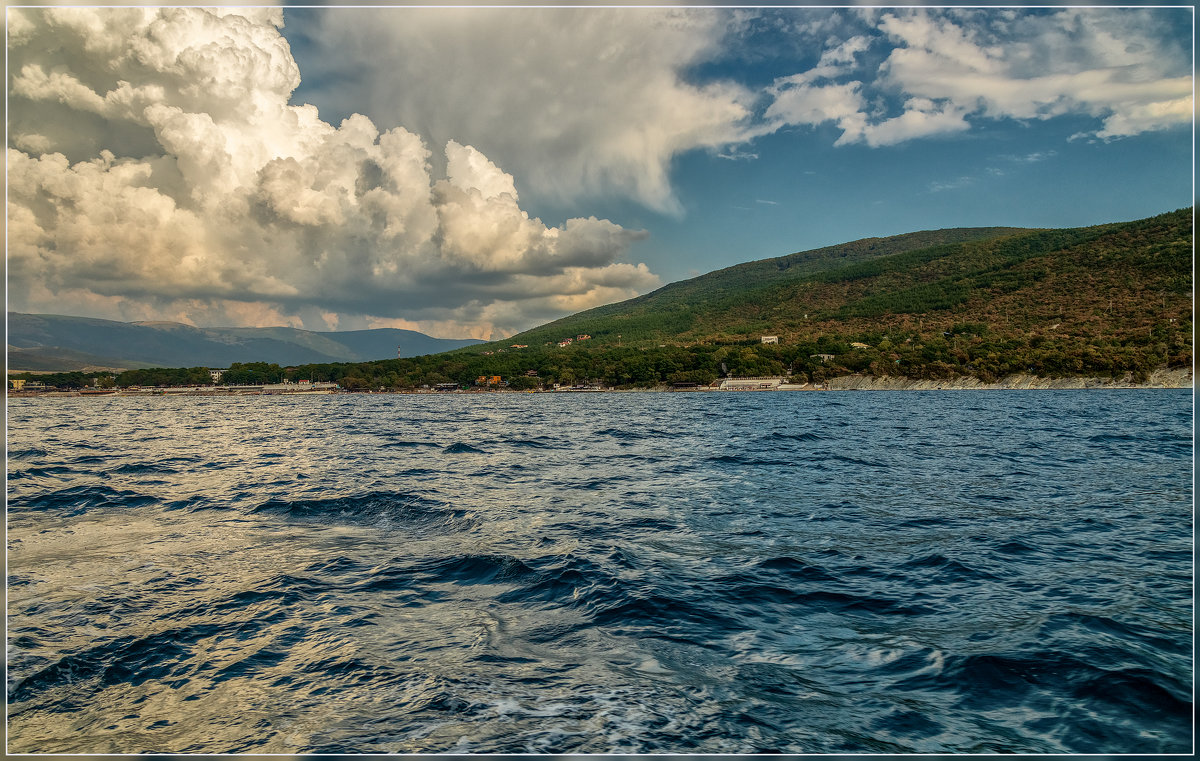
[738, 155]
[955, 184]
[1030, 158]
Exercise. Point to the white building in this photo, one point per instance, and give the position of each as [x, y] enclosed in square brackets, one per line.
[751, 384]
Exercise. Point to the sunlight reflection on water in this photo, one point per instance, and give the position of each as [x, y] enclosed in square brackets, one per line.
[881, 573]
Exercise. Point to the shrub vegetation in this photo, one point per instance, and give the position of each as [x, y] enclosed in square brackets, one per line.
[1108, 300]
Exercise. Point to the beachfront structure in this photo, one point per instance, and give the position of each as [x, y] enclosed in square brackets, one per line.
[765, 383]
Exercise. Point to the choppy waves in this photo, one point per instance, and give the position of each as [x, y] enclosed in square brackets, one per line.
[886, 572]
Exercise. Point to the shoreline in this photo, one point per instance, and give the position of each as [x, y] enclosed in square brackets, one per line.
[1159, 379]
[1179, 378]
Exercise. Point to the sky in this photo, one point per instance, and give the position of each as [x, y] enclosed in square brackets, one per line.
[474, 172]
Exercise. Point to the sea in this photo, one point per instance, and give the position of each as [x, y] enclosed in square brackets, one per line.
[795, 572]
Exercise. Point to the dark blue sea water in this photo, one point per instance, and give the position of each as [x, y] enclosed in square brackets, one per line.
[705, 572]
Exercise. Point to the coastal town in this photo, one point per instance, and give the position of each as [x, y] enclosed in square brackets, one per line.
[104, 385]
[483, 385]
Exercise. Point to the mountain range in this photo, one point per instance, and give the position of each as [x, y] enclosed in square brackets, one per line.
[47, 342]
[1111, 300]
[1106, 300]
[1124, 283]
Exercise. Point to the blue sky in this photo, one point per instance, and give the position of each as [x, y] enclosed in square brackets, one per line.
[480, 171]
[801, 196]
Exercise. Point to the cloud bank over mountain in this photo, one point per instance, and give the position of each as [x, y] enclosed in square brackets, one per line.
[161, 165]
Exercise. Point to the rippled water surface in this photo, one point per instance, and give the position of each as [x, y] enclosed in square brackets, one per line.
[803, 572]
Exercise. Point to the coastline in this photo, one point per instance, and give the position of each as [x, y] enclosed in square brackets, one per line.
[1163, 378]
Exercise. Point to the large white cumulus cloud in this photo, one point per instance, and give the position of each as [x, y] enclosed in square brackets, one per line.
[578, 102]
[157, 170]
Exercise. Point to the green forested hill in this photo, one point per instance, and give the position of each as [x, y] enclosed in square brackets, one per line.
[1006, 282]
[1110, 300]
[708, 304]
[1104, 300]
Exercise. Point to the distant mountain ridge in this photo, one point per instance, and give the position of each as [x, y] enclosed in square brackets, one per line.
[47, 342]
[1111, 300]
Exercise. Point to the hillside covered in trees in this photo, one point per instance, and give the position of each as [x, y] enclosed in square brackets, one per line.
[1103, 301]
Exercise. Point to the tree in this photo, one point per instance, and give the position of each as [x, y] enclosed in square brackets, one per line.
[523, 383]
